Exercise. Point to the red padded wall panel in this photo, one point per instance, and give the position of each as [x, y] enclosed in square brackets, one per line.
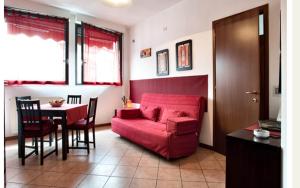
[188, 85]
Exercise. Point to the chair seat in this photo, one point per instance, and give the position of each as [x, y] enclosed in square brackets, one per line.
[34, 131]
[80, 125]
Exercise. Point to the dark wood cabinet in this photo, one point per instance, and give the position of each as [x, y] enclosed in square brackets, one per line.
[252, 162]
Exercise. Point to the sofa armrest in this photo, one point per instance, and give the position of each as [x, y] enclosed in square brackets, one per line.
[128, 113]
[182, 125]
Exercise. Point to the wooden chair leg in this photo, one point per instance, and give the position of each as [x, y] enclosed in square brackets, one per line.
[56, 143]
[72, 138]
[87, 140]
[94, 140]
[42, 150]
[77, 137]
[50, 139]
[23, 150]
[33, 141]
[36, 145]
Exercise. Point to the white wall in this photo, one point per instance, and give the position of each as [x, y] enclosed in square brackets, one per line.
[109, 97]
[192, 19]
[291, 92]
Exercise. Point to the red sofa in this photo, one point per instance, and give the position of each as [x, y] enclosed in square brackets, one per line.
[166, 124]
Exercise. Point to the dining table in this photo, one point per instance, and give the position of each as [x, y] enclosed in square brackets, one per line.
[69, 114]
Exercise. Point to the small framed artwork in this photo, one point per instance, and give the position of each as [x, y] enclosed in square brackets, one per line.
[145, 53]
[162, 62]
[184, 55]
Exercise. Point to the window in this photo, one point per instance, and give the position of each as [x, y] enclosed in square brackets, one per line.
[98, 56]
[36, 48]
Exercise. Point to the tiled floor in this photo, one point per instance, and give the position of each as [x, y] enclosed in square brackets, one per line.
[115, 163]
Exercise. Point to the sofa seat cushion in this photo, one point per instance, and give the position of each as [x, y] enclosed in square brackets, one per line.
[142, 124]
[150, 134]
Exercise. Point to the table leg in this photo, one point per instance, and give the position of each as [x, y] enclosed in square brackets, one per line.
[64, 137]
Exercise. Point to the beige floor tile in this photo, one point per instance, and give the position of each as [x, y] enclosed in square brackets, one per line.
[133, 153]
[168, 174]
[149, 162]
[223, 164]
[216, 185]
[168, 164]
[146, 173]
[168, 184]
[214, 175]
[82, 168]
[131, 161]
[210, 165]
[62, 166]
[110, 160]
[206, 156]
[219, 156]
[14, 185]
[194, 184]
[25, 177]
[93, 181]
[69, 180]
[47, 178]
[124, 171]
[114, 182]
[103, 170]
[35, 186]
[189, 164]
[143, 183]
[116, 153]
[191, 175]
[11, 172]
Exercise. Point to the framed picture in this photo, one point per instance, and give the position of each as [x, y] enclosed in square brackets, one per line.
[162, 62]
[184, 55]
[145, 53]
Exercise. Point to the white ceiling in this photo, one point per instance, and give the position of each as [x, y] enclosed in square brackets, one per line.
[137, 11]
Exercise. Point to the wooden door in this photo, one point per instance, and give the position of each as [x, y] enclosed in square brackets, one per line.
[240, 72]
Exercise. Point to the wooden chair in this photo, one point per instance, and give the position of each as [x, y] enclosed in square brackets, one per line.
[43, 118]
[32, 126]
[85, 125]
[74, 99]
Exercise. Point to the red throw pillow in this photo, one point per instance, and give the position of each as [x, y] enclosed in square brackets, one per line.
[150, 112]
[170, 113]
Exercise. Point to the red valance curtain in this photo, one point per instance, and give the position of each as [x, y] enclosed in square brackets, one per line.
[101, 56]
[30, 24]
[36, 50]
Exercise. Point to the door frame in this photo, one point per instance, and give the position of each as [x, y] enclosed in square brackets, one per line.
[264, 66]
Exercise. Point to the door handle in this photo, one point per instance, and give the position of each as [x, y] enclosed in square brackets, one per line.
[251, 92]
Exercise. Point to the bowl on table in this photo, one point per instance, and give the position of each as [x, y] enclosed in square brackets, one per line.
[56, 102]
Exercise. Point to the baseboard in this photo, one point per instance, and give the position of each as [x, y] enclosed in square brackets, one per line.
[206, 146]
[59, 131]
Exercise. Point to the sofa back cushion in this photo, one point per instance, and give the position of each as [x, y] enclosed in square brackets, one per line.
[188, 104]
[150, 112]
[170, 113]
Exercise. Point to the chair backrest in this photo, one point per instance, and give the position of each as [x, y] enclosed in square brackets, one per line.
[74, 99]
[30, 114]
[92, 110]
[22, 98]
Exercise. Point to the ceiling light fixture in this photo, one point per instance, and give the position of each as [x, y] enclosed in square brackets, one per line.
[117, 3]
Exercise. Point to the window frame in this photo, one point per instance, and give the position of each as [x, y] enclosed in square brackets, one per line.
[120, 44]
[66, 60]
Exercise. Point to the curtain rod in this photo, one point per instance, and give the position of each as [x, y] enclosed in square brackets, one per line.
[38, 14]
